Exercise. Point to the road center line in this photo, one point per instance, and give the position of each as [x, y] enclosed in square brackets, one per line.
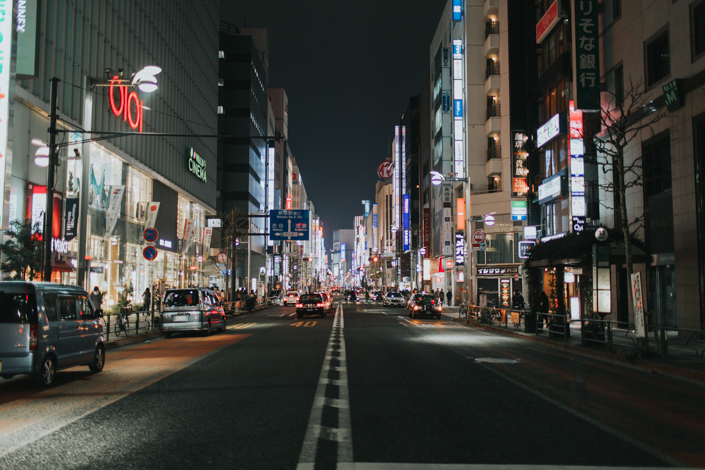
[342, 435]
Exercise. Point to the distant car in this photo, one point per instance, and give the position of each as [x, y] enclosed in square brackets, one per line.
[328, 301]
[291, 297]
[377, 295]
[424, 304]
[192, 309]
[394, 299]
[311, 304]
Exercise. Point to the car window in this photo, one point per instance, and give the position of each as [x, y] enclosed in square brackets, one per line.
[17, 308]
[181, 298]
[50, 307]
[85, 309]
[395, 294]
[308, 298]
[67, 308]
[427, 298]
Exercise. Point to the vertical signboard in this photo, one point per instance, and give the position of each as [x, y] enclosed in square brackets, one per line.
[27, 38]
[113, 209]
[458, 119]
[459, 249]
[71, 220]
[577, 168]
[397, 175]
[406, 216]
[519, 169]
[457, 10]
[586, 61]
[366, 202]
[447, 246]
[638, 306]
[375, 228]
[5, 55]
[427, 231]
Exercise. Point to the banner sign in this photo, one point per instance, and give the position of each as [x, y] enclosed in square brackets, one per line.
[366, 202]
[152, 211]
[189, 234]
[206, 239]
[27, 22]
[638, 306]
[586, 61]
[70, 223]
[459, 249]
[547, 22]
[519, 170]
[113, 209]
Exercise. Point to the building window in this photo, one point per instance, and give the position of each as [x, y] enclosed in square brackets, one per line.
[221, 110]
[697, 29]
[619, 84]
[221, 54]
[658, 58]
[616, 9]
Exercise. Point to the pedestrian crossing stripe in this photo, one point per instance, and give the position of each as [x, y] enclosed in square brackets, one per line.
[304, 324]
[241, 326]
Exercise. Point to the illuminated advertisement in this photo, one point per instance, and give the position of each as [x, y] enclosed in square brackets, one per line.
[550, 130]
[459, 249]
[5, 55]
[397, 174]
[547, 22]
[197, 165]
[519, 211]
[577, 168]
[405, 206]
[552, 188]
[127, 99]
[519, 169]
[342, 252]
[457, 10]
[458, 121]
[367, 207]
[586, 55]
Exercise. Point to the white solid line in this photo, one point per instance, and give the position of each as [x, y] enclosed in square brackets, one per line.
[456, 466]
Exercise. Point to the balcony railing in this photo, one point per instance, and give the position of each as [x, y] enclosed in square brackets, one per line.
[493, 111]
[495, 151]
[492, 69]
[491, 28]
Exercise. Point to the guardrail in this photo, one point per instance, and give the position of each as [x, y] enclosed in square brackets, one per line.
[610, 334]
[136, 321]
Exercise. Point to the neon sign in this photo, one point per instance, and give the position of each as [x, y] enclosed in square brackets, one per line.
[126, 99]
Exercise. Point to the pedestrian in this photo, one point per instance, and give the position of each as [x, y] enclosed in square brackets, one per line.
[147, 298]
[543, 309]
[517, 301]
[440, 296]
[449, 296]
[97, 298]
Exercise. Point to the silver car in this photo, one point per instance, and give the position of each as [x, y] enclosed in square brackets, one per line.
[192, 309]
[45, 327]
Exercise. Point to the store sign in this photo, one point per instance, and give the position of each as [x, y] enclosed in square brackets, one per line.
[519, 211]
[27, 39]
[5, 56]
[577, 168]
[520, 171]
[342, 253]
[498, 270]
[672, 93]
[366, 202]
[504, 291]
[165, 243]
[547, 22]
[586, 66]
[525, 248]
[152, 212]
[457, 10]
[459, 249]
[215, 223]
[551, 189]
[406, 211]
[530, 232]
[552, 129]
[197, 165]
[460, 210]
[60, 246]
[127, 99]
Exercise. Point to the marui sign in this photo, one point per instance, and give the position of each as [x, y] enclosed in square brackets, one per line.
[385, 170]
[133, 118]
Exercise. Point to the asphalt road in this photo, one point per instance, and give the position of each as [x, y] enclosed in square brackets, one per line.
[364, 388]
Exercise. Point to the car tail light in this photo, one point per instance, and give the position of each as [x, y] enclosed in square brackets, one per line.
[433, 302]
[33, 336]
[319, 305]
[299, 305]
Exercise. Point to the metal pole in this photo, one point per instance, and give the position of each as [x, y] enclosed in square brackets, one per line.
[49, 210]
[83, 264]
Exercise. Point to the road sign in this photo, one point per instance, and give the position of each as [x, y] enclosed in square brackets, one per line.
[150, 253]
[385, 170]
[478, 236]
[150, 234]
[288, 225]
[222, 257]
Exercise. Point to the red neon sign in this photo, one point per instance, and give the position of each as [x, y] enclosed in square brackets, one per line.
[576, 121]
[134, 119]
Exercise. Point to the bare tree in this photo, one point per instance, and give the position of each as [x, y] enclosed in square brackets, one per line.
[625, 114]
[234, 226]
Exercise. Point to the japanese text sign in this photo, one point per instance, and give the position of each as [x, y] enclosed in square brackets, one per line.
[587, 57]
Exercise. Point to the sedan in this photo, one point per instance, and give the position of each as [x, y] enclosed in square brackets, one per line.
[424, 304]
[394, 299]
[311, 304]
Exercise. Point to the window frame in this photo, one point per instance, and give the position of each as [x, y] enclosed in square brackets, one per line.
[664, 31]
[694, 55]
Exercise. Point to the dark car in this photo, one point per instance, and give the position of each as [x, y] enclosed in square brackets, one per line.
[424, 304]
[352, 296]
[311, 304]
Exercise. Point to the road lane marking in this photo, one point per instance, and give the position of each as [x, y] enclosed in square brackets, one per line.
[307, 324]
[463, 466]
[342, 435]
[241, 326]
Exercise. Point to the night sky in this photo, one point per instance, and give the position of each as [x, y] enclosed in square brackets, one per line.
[349, 69]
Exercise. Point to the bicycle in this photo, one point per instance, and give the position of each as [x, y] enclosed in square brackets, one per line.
[122, 325]
[520, 324]
[463, 311]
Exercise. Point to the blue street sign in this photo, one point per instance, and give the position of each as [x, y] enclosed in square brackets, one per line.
[150, 253]
[288, 225]
[446, 101]
[150, 234]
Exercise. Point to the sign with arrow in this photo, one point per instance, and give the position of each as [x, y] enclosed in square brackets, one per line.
[289, 225]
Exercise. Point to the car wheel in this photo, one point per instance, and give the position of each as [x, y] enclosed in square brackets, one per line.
[224, 325]
[47, 371]
[209, 330]
[98, 360]
[7, 376]
[299, 315]
[323, 314]
[438, 316]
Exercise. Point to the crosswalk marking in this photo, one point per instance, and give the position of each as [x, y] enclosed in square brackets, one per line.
[304, 324]
[428, 324]
[241, 326]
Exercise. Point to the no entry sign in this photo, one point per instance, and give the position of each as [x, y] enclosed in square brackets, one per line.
[150, 234]
[150, 253]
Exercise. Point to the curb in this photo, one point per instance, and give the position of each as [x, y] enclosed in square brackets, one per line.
[668, 370]
[121, 343]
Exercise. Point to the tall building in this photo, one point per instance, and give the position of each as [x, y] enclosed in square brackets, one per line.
[242, 159]
[107, 190]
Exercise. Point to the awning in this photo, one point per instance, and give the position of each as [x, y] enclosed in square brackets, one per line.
[62, 267]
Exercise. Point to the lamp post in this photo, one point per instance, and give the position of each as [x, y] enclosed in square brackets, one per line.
[49, 210]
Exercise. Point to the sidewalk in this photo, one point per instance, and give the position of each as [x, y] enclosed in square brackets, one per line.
[685, 367]
[121, 341]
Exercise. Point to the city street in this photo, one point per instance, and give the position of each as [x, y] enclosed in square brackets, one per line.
[365, 385]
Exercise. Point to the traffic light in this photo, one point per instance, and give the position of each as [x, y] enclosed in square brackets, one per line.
[375, 259]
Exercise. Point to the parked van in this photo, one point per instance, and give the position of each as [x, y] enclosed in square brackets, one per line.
[45, 327]
[192, 309]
